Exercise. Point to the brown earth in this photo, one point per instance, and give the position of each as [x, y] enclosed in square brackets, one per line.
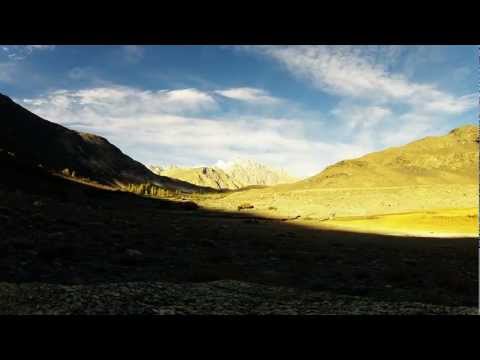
[67, 233]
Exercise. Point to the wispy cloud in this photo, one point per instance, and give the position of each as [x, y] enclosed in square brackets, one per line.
[21, 52]
[361, 72]
[125, 101]
[39, 47]
[357, 117]
[374, 106]
[160, 127]
[249, 95]
[377, 107]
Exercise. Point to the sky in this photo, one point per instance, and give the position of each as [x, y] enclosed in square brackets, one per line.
[299, 108]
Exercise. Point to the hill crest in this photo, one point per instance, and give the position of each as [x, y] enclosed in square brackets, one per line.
[57, 148]
[450, 158]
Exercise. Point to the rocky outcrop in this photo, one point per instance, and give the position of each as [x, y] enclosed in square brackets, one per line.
[202, 176]
[227, 176]
[249, 172]
[213, 298]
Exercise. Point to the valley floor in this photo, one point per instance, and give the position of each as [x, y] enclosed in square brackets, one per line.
[224, 297]
[100, 241]
[435, 211]
[448, 223]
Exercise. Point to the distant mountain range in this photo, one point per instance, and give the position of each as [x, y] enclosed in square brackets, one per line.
[232, 175]
[448, 159]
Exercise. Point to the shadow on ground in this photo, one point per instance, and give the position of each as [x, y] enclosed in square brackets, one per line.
[57, 231]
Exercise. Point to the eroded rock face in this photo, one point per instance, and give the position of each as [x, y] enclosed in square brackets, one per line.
[231, 176]
[249, 172]
[201, 176]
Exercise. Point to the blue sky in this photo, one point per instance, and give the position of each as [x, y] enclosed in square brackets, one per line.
[300, 108]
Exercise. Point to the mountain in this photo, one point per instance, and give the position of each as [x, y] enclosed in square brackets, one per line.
[57, 148]
[249, 172]
[233, 175]
[434, 178]
[448, 159]
[203, 176]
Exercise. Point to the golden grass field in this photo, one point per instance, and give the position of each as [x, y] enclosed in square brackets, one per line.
[438, 223]
[434, 211]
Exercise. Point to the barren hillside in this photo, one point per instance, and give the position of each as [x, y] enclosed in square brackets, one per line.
[448, 159]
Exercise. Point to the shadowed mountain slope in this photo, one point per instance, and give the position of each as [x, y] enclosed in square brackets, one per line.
[56, 148]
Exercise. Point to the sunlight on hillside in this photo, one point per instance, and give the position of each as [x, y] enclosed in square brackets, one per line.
[441, 223]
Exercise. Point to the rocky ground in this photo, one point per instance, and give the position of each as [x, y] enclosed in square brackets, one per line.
[318, 203]
[214, 298]
[90, 240]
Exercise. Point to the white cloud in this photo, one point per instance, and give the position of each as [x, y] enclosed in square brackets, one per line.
[377, 107]
[21, 52]
[149, 126]
[448, 105]
[409, 127]
[361, 73]
[123, 101]
[250, 95]
[356, 117]
[40, 47]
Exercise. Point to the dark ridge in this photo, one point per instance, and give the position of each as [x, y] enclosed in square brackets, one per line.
[4, 99]
[56, 148]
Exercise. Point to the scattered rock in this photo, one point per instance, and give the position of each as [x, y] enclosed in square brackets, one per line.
[224, 297]
[245, 206]
[133, 252]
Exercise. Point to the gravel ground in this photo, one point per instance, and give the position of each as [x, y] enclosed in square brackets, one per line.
[318, 203]
[211, 298]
